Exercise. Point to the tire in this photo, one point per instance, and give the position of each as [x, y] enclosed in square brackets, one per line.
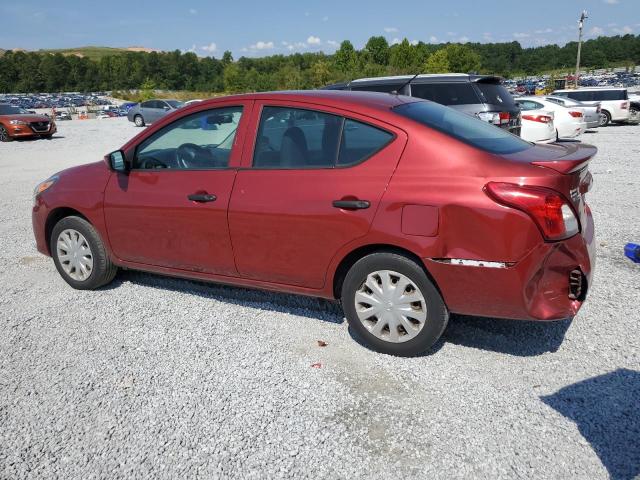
[422, 299]
[102, 270]
[139, 121]
[4, 135]
[605, 118]
[47, 137]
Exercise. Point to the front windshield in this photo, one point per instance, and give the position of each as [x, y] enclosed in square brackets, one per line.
[463, 127]
[11, 110]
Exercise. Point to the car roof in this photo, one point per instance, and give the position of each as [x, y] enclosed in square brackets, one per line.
[432, 78]
[332, 98]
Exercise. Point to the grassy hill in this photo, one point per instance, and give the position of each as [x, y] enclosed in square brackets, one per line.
[93, 52]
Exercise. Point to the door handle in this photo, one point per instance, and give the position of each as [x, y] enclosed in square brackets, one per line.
[202, 197]
[351, 204]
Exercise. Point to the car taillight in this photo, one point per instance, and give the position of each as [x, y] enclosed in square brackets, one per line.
[575, 114]
[624, 105]
[551, 212]
[497, 118]
[504, 117]
[538, 118]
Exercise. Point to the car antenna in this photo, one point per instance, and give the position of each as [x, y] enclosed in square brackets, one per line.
[395, 92]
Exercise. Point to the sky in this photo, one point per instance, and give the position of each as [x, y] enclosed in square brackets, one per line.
[257, 28]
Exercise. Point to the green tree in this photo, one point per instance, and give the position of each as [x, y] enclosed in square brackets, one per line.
[147, 90]
[233, 78]
[462, 58]
[403, 57]
[378, 48]
[345, 57]
[438, 62]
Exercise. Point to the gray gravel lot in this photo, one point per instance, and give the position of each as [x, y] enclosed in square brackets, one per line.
[154, 377]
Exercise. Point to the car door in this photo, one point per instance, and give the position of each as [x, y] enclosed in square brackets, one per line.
[170, 209]
[312, 184]
[146, 110]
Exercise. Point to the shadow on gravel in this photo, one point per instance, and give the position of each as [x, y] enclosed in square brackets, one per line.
[513, 337]
[310, 307]
[606, 410]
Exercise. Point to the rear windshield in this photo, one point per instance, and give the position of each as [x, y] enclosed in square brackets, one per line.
[174, 103]
[463, 127]
[495, 94]
[446, 93]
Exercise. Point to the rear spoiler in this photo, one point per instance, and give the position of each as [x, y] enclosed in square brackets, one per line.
[575, 160]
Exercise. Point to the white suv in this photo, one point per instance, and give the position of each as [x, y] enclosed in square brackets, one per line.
[614, 102]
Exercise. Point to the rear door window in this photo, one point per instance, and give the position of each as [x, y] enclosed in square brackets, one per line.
[529, 105]
[581, 96]
[604, 95]
[463, 127]
[360, 141]
[446, 93]
[293, 138]
[384, 88]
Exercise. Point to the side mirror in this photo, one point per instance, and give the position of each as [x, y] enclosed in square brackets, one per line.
[117, 161]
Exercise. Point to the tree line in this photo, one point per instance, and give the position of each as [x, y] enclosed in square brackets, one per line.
[44, 72]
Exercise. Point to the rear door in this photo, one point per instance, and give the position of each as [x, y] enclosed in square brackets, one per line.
[312, 184]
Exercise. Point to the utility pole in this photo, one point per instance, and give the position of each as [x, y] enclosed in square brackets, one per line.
[580, 25]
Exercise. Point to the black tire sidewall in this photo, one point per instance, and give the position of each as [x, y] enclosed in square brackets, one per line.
[101, 262]
[437, 313]
[8, 137]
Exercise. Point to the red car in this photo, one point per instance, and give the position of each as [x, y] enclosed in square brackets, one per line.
[402, 209]
[16, 122]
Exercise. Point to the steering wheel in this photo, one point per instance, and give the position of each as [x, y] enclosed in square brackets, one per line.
[190, 155]
[152, 163]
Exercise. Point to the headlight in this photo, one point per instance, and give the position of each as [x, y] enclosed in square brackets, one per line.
[42, 186]
[17, 122]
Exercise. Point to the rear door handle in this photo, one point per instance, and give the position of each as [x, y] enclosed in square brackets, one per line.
[202, 197]
[351, 204]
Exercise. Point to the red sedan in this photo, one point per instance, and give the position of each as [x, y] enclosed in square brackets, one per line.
[404, 210]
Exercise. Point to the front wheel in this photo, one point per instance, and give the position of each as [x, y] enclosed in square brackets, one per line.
[80, 255]
[138, 120]
[4, 135]
[392, 305]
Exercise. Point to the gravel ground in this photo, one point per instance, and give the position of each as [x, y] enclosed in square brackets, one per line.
[161, 378]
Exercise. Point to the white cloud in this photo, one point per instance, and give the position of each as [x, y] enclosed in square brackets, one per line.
[193, 11]
[332, 43]
[306, 14]
[192, 49]
[212, 47]
[596, 31]
[624, 30]
[545, 30]
[390, 29]
[395, 41]
[521, 35]
[433, 39]
[463, 39]
[452, 34]
[325, 18]
[413, 42]
[611, 2]
[261, 46]
[313, 40]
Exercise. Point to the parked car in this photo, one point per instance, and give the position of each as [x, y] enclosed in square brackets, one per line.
[592, 112]
[16, 122]
[483, 96]
[538, 127]
[402, 209]
[151, 111]
[569, 122]
[614, 102]
[62, 115]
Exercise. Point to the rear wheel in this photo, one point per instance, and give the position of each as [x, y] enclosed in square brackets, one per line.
[605, 118]
[80, 255]
[138, 120]
[4, 135]
[392, 305]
